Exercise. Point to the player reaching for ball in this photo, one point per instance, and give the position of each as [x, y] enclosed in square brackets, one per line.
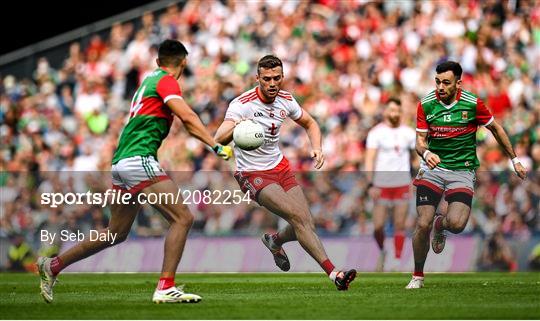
[265, 172]
[135, 169]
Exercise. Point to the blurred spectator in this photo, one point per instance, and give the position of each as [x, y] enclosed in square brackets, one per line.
[497, 255]
[343, 60]
[534, 258]
[20, 254]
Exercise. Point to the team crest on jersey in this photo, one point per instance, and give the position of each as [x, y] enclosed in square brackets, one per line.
[258, 181]
[282, 113]
[464, 115]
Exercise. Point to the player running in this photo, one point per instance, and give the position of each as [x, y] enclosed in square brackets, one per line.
[135, 169]
[388, 167]
[447, 120]
[265, 173]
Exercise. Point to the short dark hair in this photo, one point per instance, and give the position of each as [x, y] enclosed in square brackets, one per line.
[395, 100]
[450, 65]
[269, 62]
[171, 53]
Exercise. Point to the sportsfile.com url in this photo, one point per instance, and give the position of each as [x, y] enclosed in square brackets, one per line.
[114, 197]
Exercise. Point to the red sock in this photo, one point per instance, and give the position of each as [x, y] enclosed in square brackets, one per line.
[277, 240]
[165, 283]
[399, 240]
[379, 237]
[418, 273]
[327, 266]
[57, 265]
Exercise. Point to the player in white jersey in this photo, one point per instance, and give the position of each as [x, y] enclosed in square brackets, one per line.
[388, 166]
[266, 173]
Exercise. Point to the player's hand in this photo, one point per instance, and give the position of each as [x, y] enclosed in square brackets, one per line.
[318, 156]
[432, 160]
[520, 170]
[224, 152]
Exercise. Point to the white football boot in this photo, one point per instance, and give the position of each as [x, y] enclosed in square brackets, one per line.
[174, 295]
[417, 282]
[47, 279]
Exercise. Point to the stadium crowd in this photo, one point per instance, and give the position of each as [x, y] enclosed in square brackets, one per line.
[342, 61]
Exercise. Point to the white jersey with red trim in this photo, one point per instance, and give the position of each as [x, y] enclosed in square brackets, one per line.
[249, 105]
[393, 160]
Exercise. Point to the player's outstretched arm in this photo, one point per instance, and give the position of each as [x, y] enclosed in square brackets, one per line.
[422, 150]
[224, 134]
[503, 140]
[196, 128]
[315, 137]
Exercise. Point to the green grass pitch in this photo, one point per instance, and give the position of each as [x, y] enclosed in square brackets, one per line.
[277, 296]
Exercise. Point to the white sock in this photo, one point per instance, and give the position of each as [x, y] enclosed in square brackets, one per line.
[333, 275]
[273, 244]
[47, 266]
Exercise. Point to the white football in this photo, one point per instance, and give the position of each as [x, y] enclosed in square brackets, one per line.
[248, 135]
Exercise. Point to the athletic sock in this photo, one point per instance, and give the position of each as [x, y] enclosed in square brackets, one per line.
[327, 266]
[56, 265]
[379, 237]
[278, 242]
[418, 274]
[165, 283]
[399, 240]
[333, 275]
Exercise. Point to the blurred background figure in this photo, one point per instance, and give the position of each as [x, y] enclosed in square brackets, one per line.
[342, 59]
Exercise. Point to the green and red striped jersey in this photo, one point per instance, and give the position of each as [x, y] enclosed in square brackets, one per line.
[452, 128]
[150, 118]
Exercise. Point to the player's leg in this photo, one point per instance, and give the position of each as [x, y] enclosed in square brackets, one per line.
[122, 217]
[459, 196]
[400, 215]
[275, 199]
[180, 220]
[428, 195]
[292, 206]
[379, 217]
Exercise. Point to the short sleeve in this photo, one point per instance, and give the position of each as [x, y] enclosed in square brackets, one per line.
[234, 112]
[483, 115]
[168, 88]
[421, 123]
[372, 141]
[295, 111]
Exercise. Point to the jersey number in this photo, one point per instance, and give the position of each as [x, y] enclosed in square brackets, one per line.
[136, 103]
[447, 118]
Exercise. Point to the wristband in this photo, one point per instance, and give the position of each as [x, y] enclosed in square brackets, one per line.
[515, 160]
[425, 154]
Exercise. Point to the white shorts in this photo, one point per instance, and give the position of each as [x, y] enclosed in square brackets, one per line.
[133, 174]
[446, 181]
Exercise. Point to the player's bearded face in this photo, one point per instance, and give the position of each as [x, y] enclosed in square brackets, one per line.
[447, 85]
[270, 81]
[393, 114]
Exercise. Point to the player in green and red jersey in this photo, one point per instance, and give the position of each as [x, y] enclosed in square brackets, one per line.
[447, 120]
[135, 169]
